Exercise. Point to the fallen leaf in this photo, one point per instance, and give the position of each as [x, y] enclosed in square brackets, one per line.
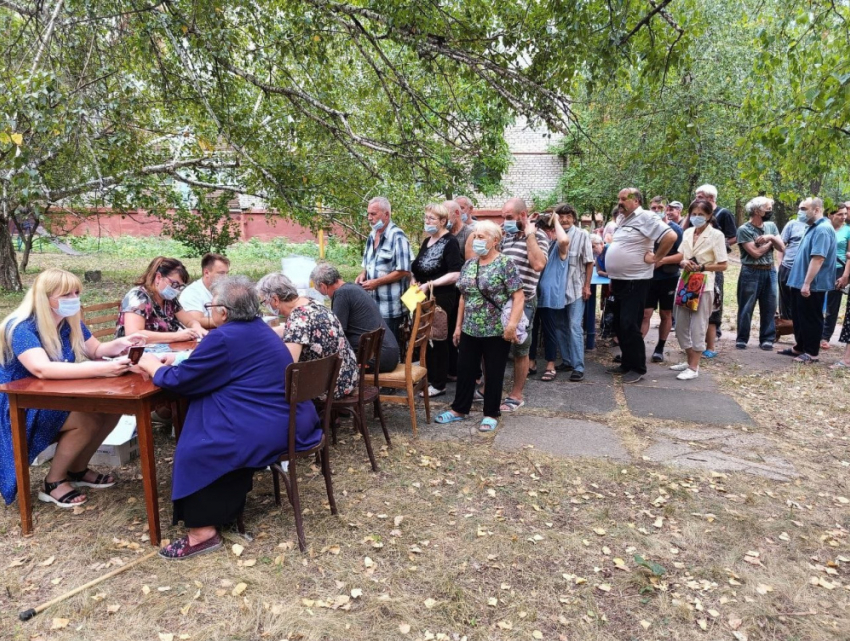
[59, 624]
[239, 589]
[430, 603]
[237, 549]
[249, 563]
[763, 589]
[740, 636]
[645, 624]
[734, 622]
[505, 625]
[397, 520]
[166, 636]
[112, 609]
[493, 601]
[703, 624]
[356, 593]
[185, 609]
[537, 634]
[600, 531]
[404, 628]
[308, 603]
[604, 587]
[334, 549]
[47, 561]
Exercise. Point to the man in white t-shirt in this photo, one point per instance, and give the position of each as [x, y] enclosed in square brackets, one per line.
[197, 294]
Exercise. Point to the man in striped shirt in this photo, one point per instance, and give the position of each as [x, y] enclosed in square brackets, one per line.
[528, 247]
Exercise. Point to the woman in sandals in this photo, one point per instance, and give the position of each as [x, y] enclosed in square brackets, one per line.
[436, 269]
[486, 284]
[552, 289]
[46, 338]
[703, 251]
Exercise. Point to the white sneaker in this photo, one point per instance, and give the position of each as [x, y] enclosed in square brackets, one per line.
[688, 375]
[432, 392]
[681, 367]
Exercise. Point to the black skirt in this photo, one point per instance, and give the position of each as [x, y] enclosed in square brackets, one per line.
[218, 503]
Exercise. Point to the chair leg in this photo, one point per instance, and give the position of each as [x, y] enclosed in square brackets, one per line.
[378, 411]
[295, 499]
[326, 469]
[364, 430]
[276, 482]
[427, 400]
[411, 404]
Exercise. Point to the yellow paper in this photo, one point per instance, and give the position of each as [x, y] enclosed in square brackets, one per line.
[412, 297]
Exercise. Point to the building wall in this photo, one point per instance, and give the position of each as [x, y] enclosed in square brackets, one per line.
[534, 169]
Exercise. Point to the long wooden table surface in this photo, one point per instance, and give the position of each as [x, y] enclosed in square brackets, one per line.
[126, 394]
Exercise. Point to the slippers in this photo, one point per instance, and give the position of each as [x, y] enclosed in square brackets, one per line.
[449, 417]
[488, 425]
[478, 397]
[549, 375]
[839, 365]
[806, 359]
[532, 371]
[511, 404]
[789, 352]
[710, 354]
[181, 549]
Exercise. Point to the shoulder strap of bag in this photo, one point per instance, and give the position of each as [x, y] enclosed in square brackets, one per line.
[478, 285]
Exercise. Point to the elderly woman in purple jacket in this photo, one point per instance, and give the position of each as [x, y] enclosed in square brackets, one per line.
[238, 415]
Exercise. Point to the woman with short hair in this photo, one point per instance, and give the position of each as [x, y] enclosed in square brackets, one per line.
[703, 251]
[45, 337]
[238, 420]
[486, 285]
[151, 308]
[436, 268]
[310, 329]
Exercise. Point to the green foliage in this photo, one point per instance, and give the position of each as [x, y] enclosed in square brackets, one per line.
[206, 227]
[652, 566]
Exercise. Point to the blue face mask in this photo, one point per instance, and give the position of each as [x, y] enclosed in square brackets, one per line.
[480, 247]
[464, 218]
[169, 293]
[697, 221]
[801, 215]
[511, 227]
[68, 307]
[430, 229]
[378, 226]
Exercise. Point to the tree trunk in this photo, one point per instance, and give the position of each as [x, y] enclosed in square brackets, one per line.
[25, 259]
[10, 279]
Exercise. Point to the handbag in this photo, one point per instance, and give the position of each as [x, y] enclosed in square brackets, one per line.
[507, 308]
[689, 288]
[439, 321]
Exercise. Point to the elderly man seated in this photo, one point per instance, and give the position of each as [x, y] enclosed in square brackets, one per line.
[357, 311]
[238, 418]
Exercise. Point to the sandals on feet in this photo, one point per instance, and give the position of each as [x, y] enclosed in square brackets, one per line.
[549, 375]
[789, 352]
[449, 417]
[806, 359]
[100, 482]
[511, 404]
[477, 397]
[180, 549]
[488, 425]
[65, 501]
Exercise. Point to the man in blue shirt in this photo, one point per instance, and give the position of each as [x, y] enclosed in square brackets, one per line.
[811, 277]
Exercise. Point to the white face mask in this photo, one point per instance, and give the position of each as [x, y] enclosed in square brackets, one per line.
[68, 307]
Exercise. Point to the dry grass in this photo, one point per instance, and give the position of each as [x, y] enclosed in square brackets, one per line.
[542, 536]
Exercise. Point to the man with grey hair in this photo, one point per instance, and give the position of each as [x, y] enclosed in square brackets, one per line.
[758, 238]
[237, 298]
[811, 277]
[357, 312]
[386, 264]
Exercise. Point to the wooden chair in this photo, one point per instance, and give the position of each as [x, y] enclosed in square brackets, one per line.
[108, 318]
[304, 382]
[354, 405]
[410, 377]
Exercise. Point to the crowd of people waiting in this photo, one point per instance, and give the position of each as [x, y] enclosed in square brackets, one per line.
[505, 288]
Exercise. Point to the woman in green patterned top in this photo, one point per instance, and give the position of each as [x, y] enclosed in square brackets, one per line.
[486, 284]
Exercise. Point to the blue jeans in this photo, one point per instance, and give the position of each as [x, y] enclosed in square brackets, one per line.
[571, 334]
[757, 285]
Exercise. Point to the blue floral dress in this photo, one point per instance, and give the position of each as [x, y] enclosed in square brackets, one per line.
[320, 334]
[42, 425]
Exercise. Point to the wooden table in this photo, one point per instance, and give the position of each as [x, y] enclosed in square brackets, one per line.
[127, 394]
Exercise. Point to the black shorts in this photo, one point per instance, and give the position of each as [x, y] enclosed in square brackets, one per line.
[661, 294]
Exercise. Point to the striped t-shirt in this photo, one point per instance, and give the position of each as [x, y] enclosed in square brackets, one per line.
[514, 247]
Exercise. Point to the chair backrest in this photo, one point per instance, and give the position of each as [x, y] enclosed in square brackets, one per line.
[105, 314]
[369, 350]
[420, 332]
[309, 380]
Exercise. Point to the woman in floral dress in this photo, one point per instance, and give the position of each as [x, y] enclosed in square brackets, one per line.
[310, 331]
[486, 285]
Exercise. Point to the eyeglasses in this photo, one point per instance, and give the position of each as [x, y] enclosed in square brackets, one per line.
[176, 284]
[211, 305]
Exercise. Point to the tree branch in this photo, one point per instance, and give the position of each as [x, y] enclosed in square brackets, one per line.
[644, 21]
[14, 6]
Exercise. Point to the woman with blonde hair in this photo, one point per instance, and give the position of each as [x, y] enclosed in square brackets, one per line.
[436, 270]
[151, 308]
[46, 338]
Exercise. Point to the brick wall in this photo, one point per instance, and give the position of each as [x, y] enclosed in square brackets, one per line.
[534, 168]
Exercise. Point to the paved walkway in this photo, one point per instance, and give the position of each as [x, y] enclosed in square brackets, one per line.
[691, 424]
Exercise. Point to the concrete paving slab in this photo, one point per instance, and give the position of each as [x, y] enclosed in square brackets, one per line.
[664, 377]
[593, 395]
[561, 437]
[670, 452]
[656, 402]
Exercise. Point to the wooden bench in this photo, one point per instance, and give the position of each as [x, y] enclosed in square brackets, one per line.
[104, 315]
